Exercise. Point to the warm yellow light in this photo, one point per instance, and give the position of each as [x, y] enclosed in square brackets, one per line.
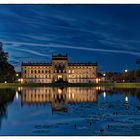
[59, 76]
[19, 88]
[59, 91]
[20, 80]
[73, 95]
[97, 80]
[69, 96]
[98, 88]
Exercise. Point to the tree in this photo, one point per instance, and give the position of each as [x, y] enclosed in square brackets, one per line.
[7, 72]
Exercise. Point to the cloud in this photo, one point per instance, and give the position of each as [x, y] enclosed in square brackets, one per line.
[52, 45]
[32, 52]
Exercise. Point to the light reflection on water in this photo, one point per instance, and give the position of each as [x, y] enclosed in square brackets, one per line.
[69, 111]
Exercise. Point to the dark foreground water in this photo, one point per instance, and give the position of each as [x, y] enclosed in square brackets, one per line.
[69, 111]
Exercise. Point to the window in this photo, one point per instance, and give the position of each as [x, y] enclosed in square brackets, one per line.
[38, 71]
[72, 71]
[69, 71]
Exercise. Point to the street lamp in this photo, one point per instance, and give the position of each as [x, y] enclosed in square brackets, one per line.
[125, 74]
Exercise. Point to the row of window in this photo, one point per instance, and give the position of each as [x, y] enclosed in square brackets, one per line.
[37, 67]
[37, 76]
[37, 71]
[80, 76]
[79, 81]
[57, 71]
[72, 67]
[50, 76]
[81, 71]
[38, 81]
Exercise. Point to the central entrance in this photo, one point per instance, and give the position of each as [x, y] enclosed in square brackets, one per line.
[60, 78]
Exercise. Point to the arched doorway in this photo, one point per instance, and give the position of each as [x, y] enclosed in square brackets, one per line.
[60, 78]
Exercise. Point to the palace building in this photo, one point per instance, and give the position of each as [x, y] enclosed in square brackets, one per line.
[59, 70]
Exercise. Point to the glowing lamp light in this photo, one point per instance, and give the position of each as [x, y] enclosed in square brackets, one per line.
[19, 88]
[104, 94]
[125, 70]
[98, 88]
[98, 80]
[16, 94]
[5, 82]
[17, 74]
[20, 80]
[126, 99]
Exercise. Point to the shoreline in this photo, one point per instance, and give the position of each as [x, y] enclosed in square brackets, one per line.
[113, 85]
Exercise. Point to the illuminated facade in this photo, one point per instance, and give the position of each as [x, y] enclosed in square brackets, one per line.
[59, 70]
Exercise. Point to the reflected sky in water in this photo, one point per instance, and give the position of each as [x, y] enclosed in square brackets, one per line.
[69, 111]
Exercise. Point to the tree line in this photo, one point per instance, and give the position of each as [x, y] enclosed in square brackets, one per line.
[130, 76]
[7, 72]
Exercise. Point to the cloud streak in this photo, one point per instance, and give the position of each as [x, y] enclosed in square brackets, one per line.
[68, 47]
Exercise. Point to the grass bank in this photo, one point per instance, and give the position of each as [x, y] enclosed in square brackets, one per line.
[126, 85]
[113, 85]
[16, 85]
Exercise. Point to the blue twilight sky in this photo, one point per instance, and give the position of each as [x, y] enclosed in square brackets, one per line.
[108, 34]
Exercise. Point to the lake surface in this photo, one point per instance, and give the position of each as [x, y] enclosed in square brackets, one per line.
[69, 111]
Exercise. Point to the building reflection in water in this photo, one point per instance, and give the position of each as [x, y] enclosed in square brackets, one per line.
[58, 97]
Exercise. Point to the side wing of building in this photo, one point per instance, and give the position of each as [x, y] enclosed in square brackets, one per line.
[36, 73]
[82, 73]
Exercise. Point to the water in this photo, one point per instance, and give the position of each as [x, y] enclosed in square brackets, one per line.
[69, 111]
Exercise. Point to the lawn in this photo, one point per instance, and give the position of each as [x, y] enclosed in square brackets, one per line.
[115, 85]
